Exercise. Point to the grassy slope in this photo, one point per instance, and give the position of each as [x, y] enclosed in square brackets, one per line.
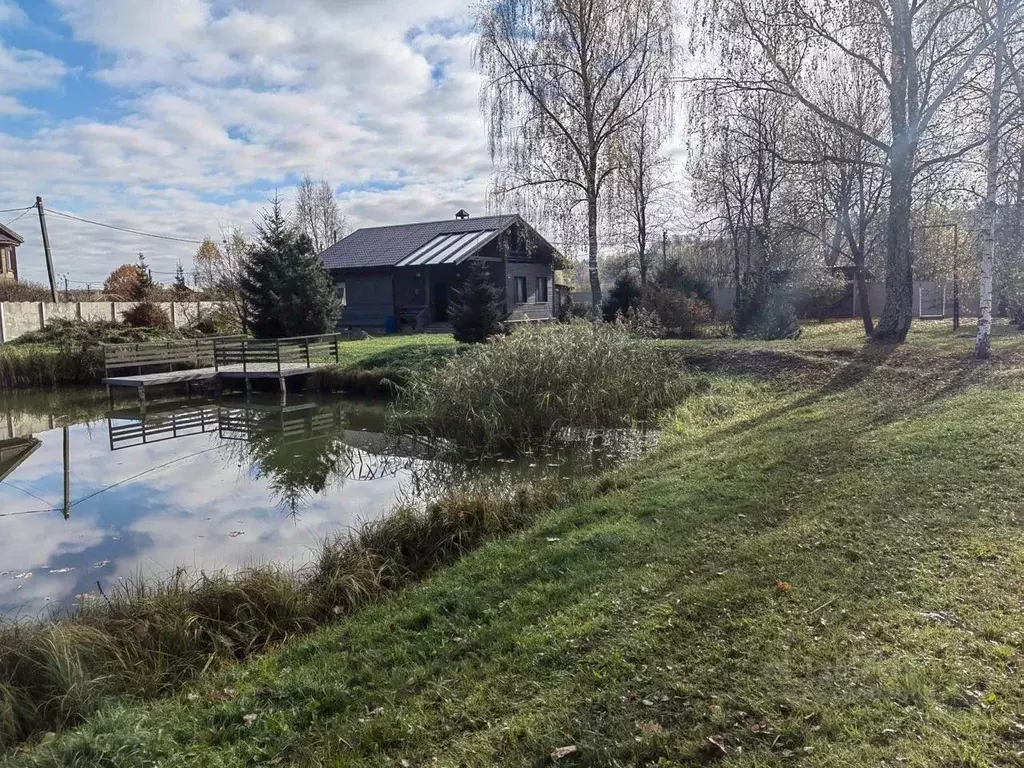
[885, 489]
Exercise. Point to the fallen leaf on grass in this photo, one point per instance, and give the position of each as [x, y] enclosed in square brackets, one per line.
[650, 727]
[783, 586]
[718, 741]
[561, 752]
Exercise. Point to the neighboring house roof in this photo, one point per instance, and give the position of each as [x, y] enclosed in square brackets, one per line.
[10, 237]
[432, 242]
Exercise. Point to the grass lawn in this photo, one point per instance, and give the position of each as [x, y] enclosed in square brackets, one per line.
[822, 565]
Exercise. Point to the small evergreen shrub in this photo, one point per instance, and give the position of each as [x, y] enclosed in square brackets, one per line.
[145, 314]
[765, 310]
[624, 296]
[477, 307]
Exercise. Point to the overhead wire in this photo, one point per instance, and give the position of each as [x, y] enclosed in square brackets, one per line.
[124, 229]
[19, 216]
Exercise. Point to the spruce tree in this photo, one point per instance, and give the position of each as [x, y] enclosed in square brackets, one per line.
[286, 290]
[144, 287]
[477, 307]
[180, 286]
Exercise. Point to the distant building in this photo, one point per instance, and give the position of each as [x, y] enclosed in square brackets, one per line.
[9, 242]
[404, 275]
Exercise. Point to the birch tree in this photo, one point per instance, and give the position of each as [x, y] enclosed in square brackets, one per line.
[318, 214]
[1000, 19]
[565, 79]
[920, 52]
[643, 191]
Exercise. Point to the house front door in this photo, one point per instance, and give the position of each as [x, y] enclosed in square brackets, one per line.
[440, 295]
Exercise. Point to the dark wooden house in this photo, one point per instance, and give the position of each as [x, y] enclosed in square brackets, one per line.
[9, 242]
[403, 276]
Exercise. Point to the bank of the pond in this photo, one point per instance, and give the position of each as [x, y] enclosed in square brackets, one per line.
[822, 569]
[146, 637]
[371, 366]
[30, 366]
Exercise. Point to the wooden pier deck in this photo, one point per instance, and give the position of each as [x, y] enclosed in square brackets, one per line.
[233, 359]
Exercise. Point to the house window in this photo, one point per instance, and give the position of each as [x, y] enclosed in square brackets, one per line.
[521, 297]
[342, 296]
[542, 290]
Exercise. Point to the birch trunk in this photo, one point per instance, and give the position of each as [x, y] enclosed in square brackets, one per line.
[983, 343]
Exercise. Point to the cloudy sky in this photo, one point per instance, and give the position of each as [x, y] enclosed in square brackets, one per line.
[183, 116]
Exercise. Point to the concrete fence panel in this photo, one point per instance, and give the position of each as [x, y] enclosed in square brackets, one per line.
[20, 317]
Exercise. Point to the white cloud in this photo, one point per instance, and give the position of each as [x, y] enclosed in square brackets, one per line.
[222, 102]
[11, 14]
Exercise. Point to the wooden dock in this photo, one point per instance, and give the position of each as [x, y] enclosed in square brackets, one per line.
[233, 358]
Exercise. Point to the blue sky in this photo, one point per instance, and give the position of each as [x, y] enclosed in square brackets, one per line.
[183, 117]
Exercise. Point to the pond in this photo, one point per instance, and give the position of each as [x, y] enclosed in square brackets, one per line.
[90, 496]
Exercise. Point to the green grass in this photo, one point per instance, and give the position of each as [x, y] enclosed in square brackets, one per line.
[822, 566]
[383, 365]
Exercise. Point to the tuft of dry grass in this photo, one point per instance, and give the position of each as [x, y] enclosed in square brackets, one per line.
[523, 390]
[25, 366]
[144, 639]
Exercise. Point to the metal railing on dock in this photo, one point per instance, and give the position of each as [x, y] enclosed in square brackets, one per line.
[277, 354]
[195, 353]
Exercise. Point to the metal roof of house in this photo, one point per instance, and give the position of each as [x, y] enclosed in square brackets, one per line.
[432, 242]
[8, 235]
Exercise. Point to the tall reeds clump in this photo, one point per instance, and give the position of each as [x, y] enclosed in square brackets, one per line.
[144, 640]
[526, 388]
[23, 366]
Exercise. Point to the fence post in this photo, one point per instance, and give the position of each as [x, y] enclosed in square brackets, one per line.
[337, 349]
[277, 346]
[216, 363]
[309, 363]
[245, 358]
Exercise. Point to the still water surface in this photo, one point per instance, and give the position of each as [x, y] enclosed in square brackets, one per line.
[90, 495]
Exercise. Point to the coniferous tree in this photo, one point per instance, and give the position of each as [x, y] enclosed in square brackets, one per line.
[477, 307]
[144, 288]
[286, 290]
[180, 286]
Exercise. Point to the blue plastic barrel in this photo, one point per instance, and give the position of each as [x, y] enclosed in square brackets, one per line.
[391, 325]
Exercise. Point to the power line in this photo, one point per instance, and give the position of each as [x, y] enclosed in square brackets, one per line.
[18, 216]
[125, 229]
[15, 210]
[25, 491]
[142, 474]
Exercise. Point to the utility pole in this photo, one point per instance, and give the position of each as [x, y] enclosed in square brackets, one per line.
[66, 292]
[46, 249]
[664, 248]
[67, 473]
